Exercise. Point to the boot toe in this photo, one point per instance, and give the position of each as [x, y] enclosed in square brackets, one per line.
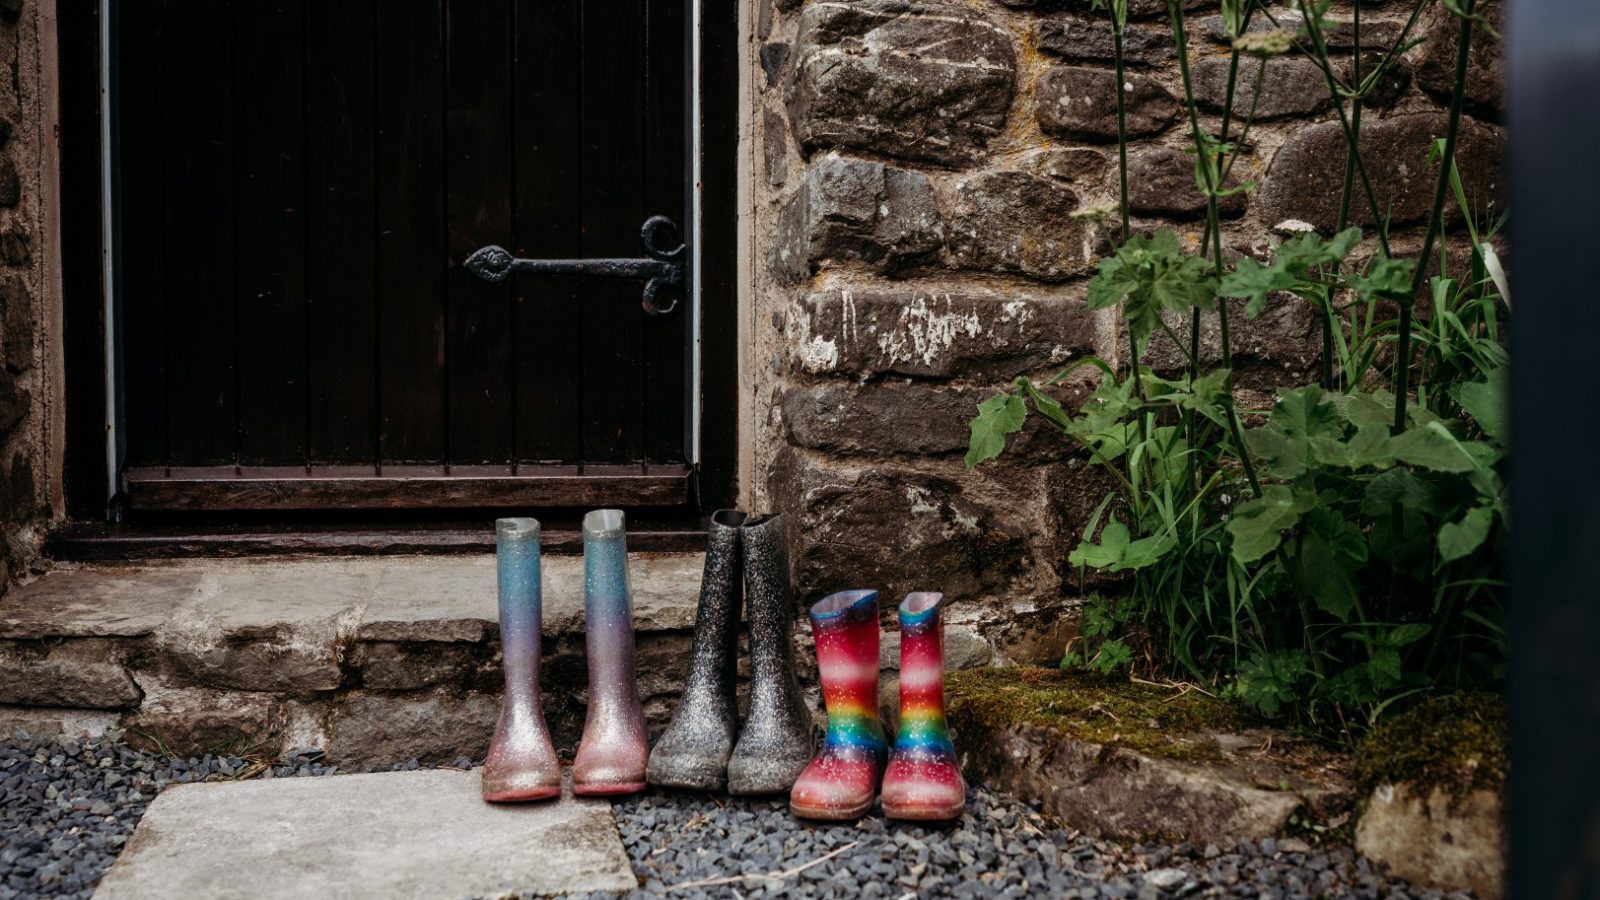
[918, 789]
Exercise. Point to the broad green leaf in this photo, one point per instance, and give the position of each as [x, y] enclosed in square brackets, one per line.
[1113, 655]
[1325, 575]
[1253, 281]
[1148, 275]
[1048, 406]
[1409, 633]
[1114, 540]
[1257, 525]
[1457, 539]
[1385, 279]
[1400, 486]
[1384, 668]
[997, 417]
[1484, 401]
[1144, 552]
[1299, 417]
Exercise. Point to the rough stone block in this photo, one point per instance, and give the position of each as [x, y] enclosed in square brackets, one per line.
[15, 401]
[923, 335]
[1291, 86]
[1430, 837]
[17, 324]
[929, 81]
[857, 210]
[50, 722]
[280, 627]
[423, 834]
[1081, 104]
[964, 648]
[1091, 40]
[411, 665]
[1281, 346]
[1301, 185]
[371, 727]
[1072, 165]
[1021, 223]
[97, 602]
[1161, 182]
[191, 720]
[1486, 65]
[75, 674]
[900, 529]
[1338, 34]
[433, 600]
[892, 417]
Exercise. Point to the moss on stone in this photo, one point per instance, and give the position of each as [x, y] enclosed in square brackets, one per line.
[1457, 742]
[1157, 721]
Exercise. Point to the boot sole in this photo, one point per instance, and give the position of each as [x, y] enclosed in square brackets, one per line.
[829, 813]
[525, 794]
[924, 813]
[607, 790]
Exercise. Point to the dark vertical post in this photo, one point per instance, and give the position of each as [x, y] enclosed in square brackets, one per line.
[1554, 46]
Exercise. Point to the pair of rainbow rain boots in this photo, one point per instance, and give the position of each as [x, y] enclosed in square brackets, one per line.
[920, 779]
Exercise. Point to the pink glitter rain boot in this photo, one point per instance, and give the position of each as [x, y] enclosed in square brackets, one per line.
[612, 756]
[522, 763]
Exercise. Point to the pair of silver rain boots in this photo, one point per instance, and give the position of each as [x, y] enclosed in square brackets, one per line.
[747, 561]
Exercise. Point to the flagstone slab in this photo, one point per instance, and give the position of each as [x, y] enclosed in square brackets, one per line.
[421, 834]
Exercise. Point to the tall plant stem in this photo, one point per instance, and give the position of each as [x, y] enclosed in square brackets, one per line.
[1122, 122]
[1402, 367]
[1344, 195]
[1213, 222]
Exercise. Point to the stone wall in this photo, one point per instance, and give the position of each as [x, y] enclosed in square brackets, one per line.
[28, 359]
[927, 177]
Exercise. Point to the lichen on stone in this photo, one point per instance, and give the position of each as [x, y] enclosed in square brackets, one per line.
[1167, 722]
[1455, 742]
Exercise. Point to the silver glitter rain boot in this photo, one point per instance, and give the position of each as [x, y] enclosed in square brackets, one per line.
[693, 752]
[776, 743]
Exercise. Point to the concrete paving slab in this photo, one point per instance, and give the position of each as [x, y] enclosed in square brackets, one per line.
[424, 834]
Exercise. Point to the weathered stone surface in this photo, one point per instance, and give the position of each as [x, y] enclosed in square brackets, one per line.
[935, 335]
[1035, 634]
[774, 57]
[1119, 794]
[1281, 346]
[410, 665]
[1091, 40]
[896, 529]
[191, 720]
[75, 674]
[848, 209]
[1021, 223]
[1292, 86]
[1161, 182]
[1338, 34]
[16, 247]
[774, 147]
[10, 184]
[49, 722]
[1137, 9]
[97, 602]
[930, 82]
[1073, 165]
[281, 627]
[1080, 103]
[1301, 184]
[17, 324]
[438, 599]
[892, 417]
[15, 401]
[423, 834]
[372, 727]
[1430, 837]
[1486, 65]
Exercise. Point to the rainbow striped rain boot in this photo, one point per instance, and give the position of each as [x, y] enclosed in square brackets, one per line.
[923, 780]
[841, 782]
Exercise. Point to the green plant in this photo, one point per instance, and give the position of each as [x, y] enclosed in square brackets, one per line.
[1344, 553]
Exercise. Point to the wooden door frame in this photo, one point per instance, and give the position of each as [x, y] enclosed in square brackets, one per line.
[93, 407]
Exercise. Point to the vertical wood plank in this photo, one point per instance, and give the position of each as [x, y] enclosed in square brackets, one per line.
[549, 173]
[411, 231]
[197, 130]
[269, 181]
[666, 180]
[140, 225]
[342, 222]
[613, 177]
[479, 173]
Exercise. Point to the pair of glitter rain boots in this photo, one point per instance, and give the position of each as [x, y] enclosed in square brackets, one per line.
[921, 780]
[522, 763]
[747, 562]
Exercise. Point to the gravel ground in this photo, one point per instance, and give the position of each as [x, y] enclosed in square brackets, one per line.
[67, 807]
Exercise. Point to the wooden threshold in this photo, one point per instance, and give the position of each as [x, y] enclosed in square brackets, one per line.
[233, 488]
[97, 542]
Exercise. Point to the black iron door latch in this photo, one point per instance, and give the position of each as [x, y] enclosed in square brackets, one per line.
[662, 267]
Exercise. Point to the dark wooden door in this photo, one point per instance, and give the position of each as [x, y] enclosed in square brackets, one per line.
[299, 182]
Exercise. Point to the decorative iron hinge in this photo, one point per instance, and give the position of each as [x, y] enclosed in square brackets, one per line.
[663, 268]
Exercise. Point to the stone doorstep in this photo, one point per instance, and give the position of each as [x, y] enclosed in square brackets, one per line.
[422, 834]
[372, 660]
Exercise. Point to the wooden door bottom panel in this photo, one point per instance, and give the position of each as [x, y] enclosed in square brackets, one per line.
[233, 488]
